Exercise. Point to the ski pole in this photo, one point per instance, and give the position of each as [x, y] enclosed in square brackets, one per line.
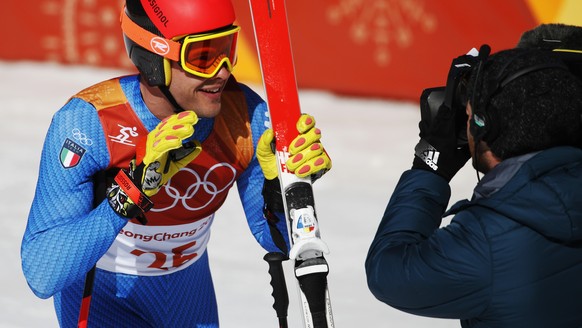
[86, 301]
[99, 194]
[280, 294]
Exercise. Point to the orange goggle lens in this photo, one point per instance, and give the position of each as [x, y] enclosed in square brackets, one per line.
[204, 54]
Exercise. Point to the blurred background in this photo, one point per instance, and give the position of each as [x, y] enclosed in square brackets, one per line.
[377, 48]
[361, 66]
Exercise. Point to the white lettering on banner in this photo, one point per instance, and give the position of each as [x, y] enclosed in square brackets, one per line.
[156, 250]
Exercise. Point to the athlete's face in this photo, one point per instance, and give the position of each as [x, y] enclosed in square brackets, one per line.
[198, 94]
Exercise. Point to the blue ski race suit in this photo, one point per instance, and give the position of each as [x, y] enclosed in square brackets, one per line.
[153, 275]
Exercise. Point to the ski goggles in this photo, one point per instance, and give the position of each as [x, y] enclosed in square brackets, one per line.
[204, 54]
[201, 55]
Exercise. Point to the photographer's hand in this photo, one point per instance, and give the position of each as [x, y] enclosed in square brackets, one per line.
[438, 150]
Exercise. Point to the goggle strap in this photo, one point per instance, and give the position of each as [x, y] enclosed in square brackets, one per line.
[568, 50]
[167, 48]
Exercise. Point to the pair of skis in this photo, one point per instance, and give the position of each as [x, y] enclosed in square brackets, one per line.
[311, 269]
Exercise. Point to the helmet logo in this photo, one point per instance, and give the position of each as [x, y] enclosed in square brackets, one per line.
[160, 46]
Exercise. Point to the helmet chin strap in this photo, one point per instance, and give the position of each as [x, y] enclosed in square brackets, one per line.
[166, 91]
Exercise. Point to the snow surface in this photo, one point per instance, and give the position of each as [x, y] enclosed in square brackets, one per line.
[370, 141]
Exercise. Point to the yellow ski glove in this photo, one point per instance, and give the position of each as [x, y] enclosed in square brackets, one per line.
[307, 155]
[165, 153]
[159, 158]
[265, 155]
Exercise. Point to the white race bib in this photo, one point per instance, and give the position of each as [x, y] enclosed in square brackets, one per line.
[156, 250]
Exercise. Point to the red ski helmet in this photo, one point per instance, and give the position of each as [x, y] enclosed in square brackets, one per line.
[168, 20]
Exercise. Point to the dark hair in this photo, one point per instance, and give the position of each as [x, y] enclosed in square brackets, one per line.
[535, 111]
[557, 36]
[552, 36]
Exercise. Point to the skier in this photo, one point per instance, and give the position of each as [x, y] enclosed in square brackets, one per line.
[133, 170]
[511, 255]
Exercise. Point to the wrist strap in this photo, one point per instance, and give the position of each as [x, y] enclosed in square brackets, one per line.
[272, 195]
[133, 192]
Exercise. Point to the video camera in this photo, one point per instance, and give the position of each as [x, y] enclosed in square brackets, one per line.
[453, 95]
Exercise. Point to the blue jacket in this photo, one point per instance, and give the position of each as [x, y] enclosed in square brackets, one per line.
[511, 257]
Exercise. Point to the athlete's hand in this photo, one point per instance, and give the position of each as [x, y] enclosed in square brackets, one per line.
[165, 152]
[265, 155]
[307, 155]
[160, 157]
[307, 159]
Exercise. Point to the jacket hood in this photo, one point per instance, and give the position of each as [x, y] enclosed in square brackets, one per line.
[540, 190]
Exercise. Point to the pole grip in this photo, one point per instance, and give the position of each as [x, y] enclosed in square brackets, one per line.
[280, 295]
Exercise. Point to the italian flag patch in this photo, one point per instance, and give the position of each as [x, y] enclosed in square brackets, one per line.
[71, 153]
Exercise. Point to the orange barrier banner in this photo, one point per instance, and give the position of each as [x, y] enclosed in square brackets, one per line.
[379, 48]
[66, 31]
[395, 48]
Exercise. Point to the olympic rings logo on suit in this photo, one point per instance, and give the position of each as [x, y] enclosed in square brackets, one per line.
[200, 185]
[81, 137]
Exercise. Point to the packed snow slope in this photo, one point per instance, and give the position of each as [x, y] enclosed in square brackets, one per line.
[370, 141]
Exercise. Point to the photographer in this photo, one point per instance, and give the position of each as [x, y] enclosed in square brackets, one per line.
[512, 255]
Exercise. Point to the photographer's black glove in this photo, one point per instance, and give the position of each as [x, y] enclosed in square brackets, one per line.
[438, 150]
